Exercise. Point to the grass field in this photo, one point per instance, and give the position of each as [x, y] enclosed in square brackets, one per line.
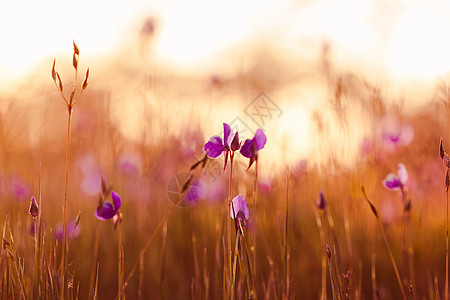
[310, 232]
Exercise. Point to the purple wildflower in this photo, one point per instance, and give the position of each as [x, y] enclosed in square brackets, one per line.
[215, 147]
[397, 182]
[251, 147]
[108, 210]
[239, 209]
[395, 134]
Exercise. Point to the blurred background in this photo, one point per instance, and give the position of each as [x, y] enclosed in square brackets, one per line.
[343, 90]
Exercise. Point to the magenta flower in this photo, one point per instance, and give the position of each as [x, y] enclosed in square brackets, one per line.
[251, 147]
[215, 147]
[397, 182]
[239, 209]
[108, 210]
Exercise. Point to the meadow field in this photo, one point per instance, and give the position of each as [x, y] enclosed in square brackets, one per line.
[268, 182]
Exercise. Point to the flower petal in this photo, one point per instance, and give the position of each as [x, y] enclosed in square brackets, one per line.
[193, 194]
[260, 139]
[239, 207]
[392, 182]
[228, 135]
[402, 174]
[214, 147]
[117, 201]
[106, 212]
[246, 148]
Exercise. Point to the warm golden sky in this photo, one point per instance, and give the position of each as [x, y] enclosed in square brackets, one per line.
[402, 46]
[404, 39]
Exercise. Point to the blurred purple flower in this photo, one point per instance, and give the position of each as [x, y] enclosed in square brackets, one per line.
[20, 189]
[72, 230]
[129, 163]
[193, 194]
[251, 147]
[397, 182]
[239, 209]
[148, 29]
[215, 147]
[108, 210]
[265, 185]
[394, 134]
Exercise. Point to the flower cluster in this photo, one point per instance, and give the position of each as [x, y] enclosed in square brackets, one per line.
[215, 147]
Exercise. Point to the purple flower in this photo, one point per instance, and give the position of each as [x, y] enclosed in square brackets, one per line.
[239, 209]
[34, 208]
[108, 210]
[397, 182]
[72, 230]
[193, 194]
[251, 147]
[215, 147]
[395, 134]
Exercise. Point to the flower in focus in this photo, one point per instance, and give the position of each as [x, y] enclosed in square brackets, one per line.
[239, 209]
[397, 182]
[215, 147]
[108, 210]
[34, 208]
[251, 147]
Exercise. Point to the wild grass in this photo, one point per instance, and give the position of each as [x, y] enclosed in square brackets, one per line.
[164, 249]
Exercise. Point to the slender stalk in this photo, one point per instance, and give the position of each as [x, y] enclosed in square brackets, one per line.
[236, 252]
[230, 179]
[404, 254]
[446, 255]
[397, 274]
[328, 251]
[392, 259]
[119, 267]
[94, 266]
[66, 184]
[255, 197]
[324, 259]
[286, 262]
